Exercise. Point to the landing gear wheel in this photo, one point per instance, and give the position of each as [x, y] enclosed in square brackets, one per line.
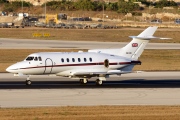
[83, 81]
[28, 82]
[99, 82]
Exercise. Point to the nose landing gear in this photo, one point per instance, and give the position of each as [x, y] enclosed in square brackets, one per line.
[28, 81]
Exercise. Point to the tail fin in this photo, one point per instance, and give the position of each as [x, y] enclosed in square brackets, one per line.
[135, 48]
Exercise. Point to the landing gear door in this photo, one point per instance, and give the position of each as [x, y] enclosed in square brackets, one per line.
[48, 66]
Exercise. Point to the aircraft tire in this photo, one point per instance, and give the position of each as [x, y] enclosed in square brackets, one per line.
[99, 82]
[28, 82]
[83, 81]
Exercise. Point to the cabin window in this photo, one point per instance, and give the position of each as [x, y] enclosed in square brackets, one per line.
[30, 58]
[85, 60]
[73, 59]
[79, 60]
[67, 59]
[40, 59]
[90, 59]
[62, 60]
[35, 59]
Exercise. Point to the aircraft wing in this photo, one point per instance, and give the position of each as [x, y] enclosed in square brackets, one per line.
[110, 72]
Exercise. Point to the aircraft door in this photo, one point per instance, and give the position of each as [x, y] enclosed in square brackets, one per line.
[48, 66]
[106, 63]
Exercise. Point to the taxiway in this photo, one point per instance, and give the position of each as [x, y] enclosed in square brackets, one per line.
[146, 88]
[7, 43]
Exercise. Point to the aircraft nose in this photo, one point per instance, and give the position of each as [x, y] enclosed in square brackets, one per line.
[12, 69]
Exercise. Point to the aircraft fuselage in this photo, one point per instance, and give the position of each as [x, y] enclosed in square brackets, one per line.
[67, 63]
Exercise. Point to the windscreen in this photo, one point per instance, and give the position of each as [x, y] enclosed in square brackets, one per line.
[29, 58]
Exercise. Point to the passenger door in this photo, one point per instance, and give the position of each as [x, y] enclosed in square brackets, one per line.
[48, 66]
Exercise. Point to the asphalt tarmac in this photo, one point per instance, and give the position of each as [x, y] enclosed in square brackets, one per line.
[7, 43]
[146, 88]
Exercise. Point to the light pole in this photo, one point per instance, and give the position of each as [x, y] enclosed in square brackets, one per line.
[45, 12]
[103, 12]
[22, 5]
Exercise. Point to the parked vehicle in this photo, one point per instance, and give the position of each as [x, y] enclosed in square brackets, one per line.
[101, 26]
[3, 25]
[60, 25]
[156, 21]
[93, 26]
[100, 20]
[68, 26]
[82, 19]
[177, 21]
[80, 26]
[10, 24]
[51, 25]
[40, 24]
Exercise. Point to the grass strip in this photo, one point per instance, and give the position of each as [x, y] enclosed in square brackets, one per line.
[93, 113]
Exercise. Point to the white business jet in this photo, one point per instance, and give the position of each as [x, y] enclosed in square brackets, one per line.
[100, 63]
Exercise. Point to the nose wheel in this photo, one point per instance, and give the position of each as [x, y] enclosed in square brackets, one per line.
[28, 81]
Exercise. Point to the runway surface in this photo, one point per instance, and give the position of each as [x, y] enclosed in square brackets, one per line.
[6, 43]
[146, 88]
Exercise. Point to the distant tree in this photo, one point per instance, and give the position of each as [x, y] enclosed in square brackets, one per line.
[59, 5]
[19, 3]
[145, 2]
[121, 6]
[4, 1]
[112, 6]
[98, 6]
[165, 3]
[125, 7]
[84, 5]
[10, 7]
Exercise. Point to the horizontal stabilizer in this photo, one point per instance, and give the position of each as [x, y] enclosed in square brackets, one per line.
[165, 38]
[149, 37]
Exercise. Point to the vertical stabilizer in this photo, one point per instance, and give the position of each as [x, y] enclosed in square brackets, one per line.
[148, 32]
[135, 48]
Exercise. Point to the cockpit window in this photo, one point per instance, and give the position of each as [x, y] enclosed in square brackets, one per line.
[30, 58]
[40, 59]
[35, 59]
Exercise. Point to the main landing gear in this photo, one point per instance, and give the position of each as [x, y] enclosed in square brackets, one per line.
[99, 82]
[28, 81]
[85, 80]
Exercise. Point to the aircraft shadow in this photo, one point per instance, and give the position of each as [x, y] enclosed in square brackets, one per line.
[131, 83]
